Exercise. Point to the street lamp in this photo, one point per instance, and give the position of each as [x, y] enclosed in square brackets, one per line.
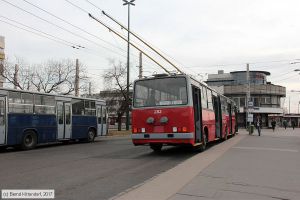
[128, 3]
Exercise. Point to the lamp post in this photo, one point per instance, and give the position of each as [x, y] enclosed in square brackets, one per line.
[128, 3]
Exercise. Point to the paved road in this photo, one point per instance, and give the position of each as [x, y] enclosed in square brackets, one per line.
[86, 171]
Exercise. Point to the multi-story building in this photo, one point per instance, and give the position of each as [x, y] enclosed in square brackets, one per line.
[265, 96]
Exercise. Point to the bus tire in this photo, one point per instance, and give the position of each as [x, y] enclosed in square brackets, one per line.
[29, 140]
[2, 148]
[91, 135]
[156, 147]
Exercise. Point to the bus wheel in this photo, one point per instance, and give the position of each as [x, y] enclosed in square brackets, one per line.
[204, 143]
[2, 148]
[91, 135]
[29, 140]
[156, 147]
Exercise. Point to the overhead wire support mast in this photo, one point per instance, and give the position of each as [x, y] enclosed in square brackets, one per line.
[110, 29]
[144, 42]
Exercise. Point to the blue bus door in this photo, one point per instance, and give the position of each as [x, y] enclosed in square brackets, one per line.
[104, 120]
[2, 120]
[64, 120]
[99, 120]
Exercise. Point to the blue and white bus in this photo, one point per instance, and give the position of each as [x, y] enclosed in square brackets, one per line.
[30, 118]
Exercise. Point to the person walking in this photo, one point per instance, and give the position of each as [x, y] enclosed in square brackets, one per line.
[284, 124]
[273, 123]
[293, 124]
[258, 125]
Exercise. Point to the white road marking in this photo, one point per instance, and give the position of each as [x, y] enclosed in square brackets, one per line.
[266, 149]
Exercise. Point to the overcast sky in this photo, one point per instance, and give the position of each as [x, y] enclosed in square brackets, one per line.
[201, 36]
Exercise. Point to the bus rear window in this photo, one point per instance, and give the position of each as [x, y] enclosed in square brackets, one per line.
[160, 92]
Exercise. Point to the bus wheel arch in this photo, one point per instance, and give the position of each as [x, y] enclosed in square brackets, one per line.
[91, 134]
[29, 139]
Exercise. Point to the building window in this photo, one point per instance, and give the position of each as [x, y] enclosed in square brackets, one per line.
[242, 102]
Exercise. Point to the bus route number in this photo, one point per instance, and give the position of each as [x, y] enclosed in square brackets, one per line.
[157, 111]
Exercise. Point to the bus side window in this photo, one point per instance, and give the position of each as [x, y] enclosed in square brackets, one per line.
[77, 107]
[209, 100]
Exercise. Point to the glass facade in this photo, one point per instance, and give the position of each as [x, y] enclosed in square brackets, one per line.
[256, 77]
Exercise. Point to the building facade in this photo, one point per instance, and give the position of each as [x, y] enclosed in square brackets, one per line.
[265, 96]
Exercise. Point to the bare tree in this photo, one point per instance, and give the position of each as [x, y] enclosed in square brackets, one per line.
[115, 80]
[52, 76]
[57, 77]
[24, 73]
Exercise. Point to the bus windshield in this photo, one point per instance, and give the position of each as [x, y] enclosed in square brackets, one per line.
[160, 92]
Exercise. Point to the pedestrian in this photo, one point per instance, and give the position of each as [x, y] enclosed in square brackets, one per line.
[284, 124]
[293, 124]
[273, 123]
[258, 125]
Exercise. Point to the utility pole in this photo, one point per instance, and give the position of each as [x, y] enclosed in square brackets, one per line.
[90, 89]
[141, 66]
[16, 76]
[77, 79]
[248, 98]
[128, 3]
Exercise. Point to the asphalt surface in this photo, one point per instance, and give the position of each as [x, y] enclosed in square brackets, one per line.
[96, 170]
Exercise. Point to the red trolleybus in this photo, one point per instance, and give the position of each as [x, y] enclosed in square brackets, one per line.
[178, 110]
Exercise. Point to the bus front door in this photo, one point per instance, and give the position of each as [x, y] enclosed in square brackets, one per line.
[2, 120]
[197, 114]
[64, 120]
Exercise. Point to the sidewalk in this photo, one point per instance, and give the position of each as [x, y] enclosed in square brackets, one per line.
[244, 167]
[257, 168]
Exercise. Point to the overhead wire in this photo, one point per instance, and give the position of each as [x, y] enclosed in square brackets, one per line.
[37, 30]
[60, 42]
[69, 23]
[62, 28]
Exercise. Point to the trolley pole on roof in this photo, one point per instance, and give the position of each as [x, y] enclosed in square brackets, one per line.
[128, 3]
